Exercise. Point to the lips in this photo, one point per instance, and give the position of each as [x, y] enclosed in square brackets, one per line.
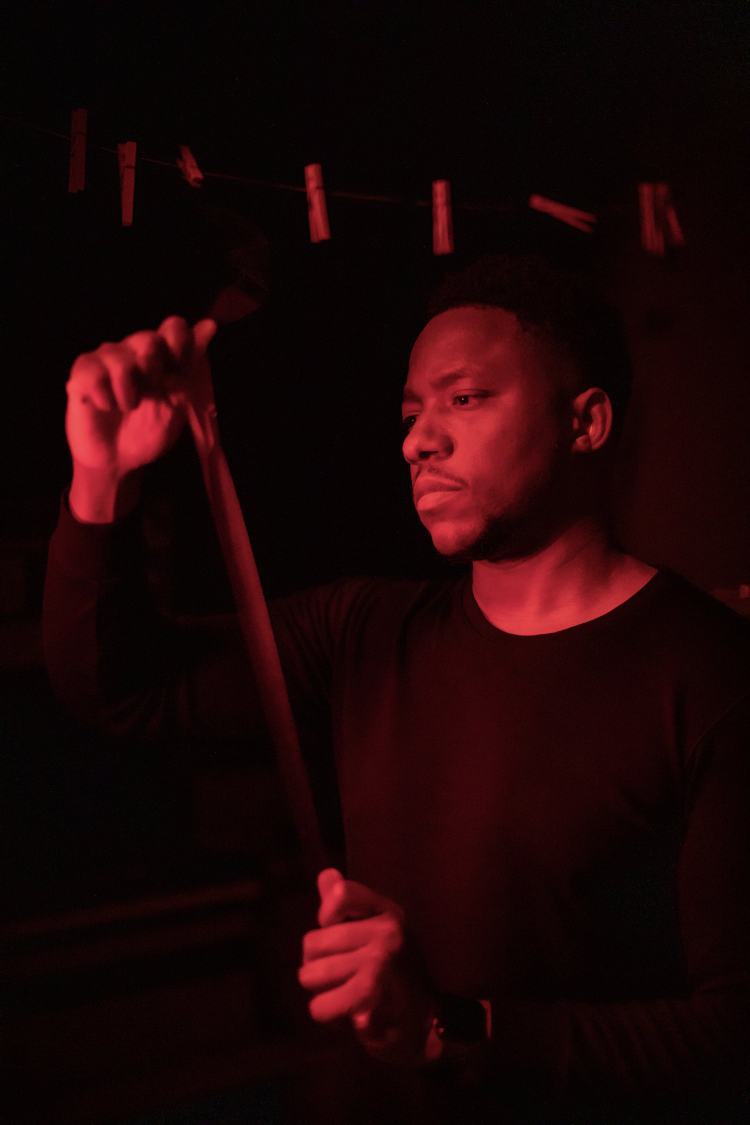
[434, 484]
[432, 494]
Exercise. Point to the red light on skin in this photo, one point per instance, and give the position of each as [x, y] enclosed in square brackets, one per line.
[495, 411]
[435, 499]
[430, 490]
[480, 409]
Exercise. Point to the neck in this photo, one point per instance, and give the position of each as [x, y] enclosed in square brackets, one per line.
[576, 576]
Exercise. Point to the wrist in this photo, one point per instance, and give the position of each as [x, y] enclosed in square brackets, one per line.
[100, 496]
[459, 1030]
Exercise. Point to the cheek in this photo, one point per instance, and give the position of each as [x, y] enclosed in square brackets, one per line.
[506, 452]
[507, 462]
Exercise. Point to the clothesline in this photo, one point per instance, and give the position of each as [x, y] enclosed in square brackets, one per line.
[253, 181]
[658, 220]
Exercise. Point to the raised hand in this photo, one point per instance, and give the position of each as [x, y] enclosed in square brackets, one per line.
[126, 408]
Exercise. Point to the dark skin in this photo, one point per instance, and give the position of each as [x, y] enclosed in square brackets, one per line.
[489, 432]
[482, 412]
[482, 419]
[126, 408]
[357, 966]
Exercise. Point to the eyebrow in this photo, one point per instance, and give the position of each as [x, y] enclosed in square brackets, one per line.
[437, 384]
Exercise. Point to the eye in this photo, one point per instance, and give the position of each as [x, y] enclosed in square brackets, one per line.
[466, 399]
[408, 422]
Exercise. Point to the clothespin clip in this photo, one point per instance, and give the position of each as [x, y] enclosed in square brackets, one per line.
[582, 220]
[659, 224]
[126, 161]
[190, 170]
[317, 212]
[77, 165]
[442, 217]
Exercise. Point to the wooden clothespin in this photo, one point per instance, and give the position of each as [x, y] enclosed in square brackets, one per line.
[316, 204]
[77, 164]
[659, 224]
[189, 168]
[582, 220]
[126, 161]
[442, 217]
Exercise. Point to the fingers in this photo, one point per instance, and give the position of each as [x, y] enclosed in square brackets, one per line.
[122, 374]
[204, 332]
[185, 342]
[328, 972]
[345, 963]
[89, 383]
[178, 336]
[343, 899]
[327, 881]
[154, 358]
[116, 376]
[127, 400]
[344, 937]
[361, 993]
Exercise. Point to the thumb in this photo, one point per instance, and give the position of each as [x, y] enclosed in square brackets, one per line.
[327, 880]
[204, 332]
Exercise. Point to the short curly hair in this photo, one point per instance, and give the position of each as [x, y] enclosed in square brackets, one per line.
[554, 305]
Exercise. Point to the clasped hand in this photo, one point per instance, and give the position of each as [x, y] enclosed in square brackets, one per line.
[360, 966]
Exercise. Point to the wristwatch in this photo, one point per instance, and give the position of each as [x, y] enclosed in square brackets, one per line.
[460, 1029]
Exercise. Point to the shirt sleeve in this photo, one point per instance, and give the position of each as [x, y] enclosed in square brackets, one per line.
[679, 1054]
[117, 663]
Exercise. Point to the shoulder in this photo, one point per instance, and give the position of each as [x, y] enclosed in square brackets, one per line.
[351, 607]
[704, 650]
[698, 620]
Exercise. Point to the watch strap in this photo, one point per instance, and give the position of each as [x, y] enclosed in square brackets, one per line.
[461, 1020]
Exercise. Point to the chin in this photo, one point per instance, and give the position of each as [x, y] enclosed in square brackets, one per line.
[454, 542]
[510, 536]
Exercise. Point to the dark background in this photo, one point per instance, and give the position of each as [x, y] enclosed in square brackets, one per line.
[576, 101]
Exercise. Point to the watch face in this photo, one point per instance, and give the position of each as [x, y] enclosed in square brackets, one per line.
[461, 1020]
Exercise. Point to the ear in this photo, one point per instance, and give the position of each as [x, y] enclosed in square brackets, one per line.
[592, 420]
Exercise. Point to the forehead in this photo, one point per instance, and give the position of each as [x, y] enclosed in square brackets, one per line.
[472, 339]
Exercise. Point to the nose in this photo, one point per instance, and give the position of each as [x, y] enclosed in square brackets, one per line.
[427, 440]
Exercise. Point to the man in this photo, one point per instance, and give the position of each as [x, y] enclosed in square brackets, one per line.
[542, 766]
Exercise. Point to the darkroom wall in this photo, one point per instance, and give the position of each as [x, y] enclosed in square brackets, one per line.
[577, 103]
[685, 480]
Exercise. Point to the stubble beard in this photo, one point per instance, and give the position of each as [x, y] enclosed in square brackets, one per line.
[526, 526]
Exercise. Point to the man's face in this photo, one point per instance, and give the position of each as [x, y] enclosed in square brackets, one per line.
[485, 437]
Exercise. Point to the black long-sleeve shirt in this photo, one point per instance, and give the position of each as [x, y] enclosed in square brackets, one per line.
[564, 817]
